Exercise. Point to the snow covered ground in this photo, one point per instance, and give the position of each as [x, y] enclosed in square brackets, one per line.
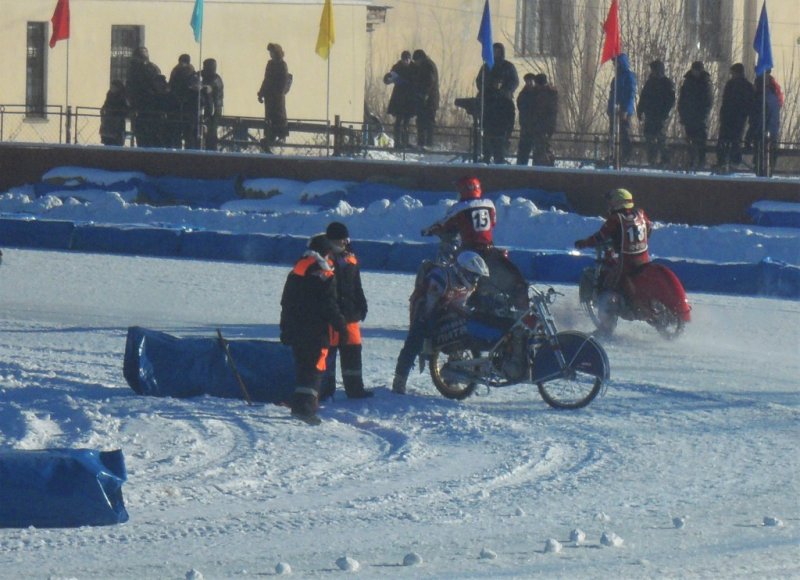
[687, 467]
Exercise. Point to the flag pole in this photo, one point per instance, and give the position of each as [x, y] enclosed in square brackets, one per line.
[199, 130]
[69, 120]
[328, 108]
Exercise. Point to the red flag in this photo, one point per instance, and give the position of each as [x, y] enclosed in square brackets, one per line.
[60, 22]
[612, 46]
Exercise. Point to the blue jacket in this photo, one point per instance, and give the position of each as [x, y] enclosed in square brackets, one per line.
[626, 87]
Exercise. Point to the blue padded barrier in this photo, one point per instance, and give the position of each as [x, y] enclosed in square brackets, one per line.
[61, 488]
[137, 241]
[39, 234]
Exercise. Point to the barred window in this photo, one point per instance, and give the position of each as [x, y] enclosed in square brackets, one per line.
[539, 29]
[704, 23]
[124, 40]
[35, 61]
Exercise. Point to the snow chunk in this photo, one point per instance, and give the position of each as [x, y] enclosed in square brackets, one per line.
[552, 546]
[348, 564]
[679, 521]
[412, 559]
[773, 521]
[194, 575]
[577, 536]
[283, 569]
[611, 539]
[602, 517]
[487, 554]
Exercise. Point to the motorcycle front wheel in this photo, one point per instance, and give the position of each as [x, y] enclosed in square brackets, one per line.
[586, 371]
[667, 323]
[452, 389]
[599, 307]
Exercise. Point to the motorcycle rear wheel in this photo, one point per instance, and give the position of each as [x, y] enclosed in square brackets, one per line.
[666, 322]
[581, 382]
[451, 389]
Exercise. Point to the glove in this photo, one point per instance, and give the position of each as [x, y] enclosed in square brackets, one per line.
[580, 244]
[260, 99]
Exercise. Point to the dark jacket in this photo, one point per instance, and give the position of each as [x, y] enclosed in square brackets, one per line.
[538, 110]
[773, 111]
[625, 81]
[213, 90]
[498, 88]
[657, 98]
[401, 103]
[738, 99]
[694, 102]
[142, 83]
[309, 303]
[425, 77]
[352, 301]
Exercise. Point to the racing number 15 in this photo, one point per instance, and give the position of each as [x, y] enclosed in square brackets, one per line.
[481, 220]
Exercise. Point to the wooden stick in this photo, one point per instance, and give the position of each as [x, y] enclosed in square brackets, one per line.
[229, 358]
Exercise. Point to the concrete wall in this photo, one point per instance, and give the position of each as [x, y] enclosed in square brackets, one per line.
[704, 200]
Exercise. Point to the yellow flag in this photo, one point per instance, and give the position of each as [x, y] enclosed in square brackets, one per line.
[327, 31]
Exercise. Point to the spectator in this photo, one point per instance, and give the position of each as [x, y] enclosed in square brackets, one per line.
[401, 103]
[426, 96]
[766, 114]
[694, 106]
[142, 85]
[213, 97]
[737, 105]
[353, 305]
[112, 115]
[184, 86]
[309, 312]
[276, 83]
[655, 103]
[496, 88]
[537, 103]
[621, 106]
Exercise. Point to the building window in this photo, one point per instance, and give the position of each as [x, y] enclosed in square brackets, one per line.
[538, 27]
[704, 25]
[35, 89]
[124, 40]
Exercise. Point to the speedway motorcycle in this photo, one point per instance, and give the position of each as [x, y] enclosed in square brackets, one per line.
[506, 346]
[659, 297]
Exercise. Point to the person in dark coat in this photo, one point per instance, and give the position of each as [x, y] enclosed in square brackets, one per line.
[142, 85]
[537, 103]
[309, 312]
[694, 107]
[113, 114]
[353, 305]
[184, 86]
[426, 96]
[272, 93]
[766, 114]
[496, 87]
[401, 103]
[213, 98]
[621, 106]
[737, 105]
[655, 103]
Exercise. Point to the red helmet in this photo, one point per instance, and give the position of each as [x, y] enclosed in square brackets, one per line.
[469, 188]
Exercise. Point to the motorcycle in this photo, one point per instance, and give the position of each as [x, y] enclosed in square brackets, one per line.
[659, 297]
[521, 346]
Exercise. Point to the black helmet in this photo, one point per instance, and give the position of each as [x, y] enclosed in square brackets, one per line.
[337, 231]
[320, 244]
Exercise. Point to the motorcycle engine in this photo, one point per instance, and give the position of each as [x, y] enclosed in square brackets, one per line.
[512, 362]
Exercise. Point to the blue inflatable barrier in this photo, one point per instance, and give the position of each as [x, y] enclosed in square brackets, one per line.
[61, 488]
[161, 365]
[39, 234]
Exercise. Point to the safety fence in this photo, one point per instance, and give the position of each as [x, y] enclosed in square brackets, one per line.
[369, 138]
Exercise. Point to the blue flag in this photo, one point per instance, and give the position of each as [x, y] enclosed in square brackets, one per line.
[485, 37]
[197, 20]
[762, 43]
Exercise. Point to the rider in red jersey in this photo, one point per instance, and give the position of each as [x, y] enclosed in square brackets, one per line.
[472, 217]
[627, 229]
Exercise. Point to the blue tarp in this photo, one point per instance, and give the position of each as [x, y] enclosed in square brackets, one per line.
[162, 365]
[61, 488]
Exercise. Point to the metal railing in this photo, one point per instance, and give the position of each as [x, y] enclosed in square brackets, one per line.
[316, 137]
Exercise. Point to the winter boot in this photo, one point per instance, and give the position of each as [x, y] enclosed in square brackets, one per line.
[304, 403]
[399, 384]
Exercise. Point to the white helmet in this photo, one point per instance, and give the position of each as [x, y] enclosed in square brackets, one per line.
[471, 268]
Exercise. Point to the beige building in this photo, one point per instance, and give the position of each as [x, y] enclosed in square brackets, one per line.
[560, 37]
[103, 34]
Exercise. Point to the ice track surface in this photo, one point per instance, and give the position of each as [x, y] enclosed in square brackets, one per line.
[703, 431]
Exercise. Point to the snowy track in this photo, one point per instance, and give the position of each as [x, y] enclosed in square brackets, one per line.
[704, 429]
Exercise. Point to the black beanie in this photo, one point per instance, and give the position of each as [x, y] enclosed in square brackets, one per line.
[337, 231]
[321, 244]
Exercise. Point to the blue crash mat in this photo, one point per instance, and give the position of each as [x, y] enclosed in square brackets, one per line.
[61, 488]
[162, 365]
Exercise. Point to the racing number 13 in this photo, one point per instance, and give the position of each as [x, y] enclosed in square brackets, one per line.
[481, 220]
[636, 233]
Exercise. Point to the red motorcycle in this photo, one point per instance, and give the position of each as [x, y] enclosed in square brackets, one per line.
[659, 297]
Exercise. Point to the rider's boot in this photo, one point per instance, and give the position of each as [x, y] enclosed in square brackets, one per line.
[399, 383]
